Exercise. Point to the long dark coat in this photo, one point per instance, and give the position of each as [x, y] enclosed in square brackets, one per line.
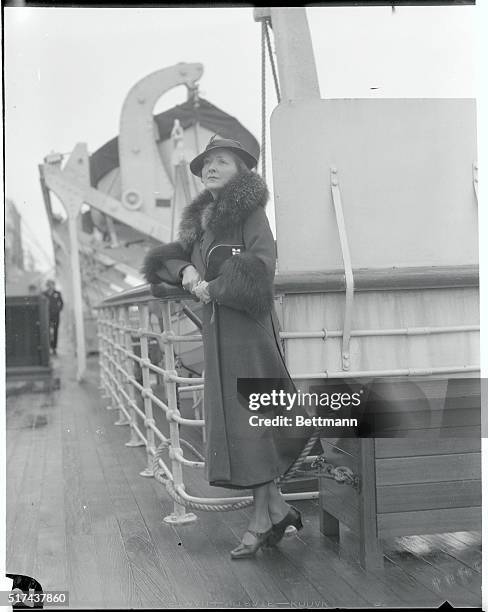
[240, 330]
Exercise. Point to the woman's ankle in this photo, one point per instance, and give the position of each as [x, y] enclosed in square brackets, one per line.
[260, 525]
[277, 512]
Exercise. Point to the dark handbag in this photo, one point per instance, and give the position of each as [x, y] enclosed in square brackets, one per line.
[216, 257]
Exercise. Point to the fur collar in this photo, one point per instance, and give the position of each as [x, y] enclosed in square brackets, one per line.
[240, 197]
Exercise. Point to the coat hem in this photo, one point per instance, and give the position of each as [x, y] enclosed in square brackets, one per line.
[228, 485]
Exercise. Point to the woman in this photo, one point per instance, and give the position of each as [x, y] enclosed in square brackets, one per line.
[240, 330]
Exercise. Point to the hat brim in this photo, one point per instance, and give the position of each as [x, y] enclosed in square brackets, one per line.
[196, 164]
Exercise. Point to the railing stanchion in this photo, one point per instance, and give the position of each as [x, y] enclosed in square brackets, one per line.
[126, 341]
[111, 359]
[102, 348]
[118, 376]
[146, 383]
[179, 515]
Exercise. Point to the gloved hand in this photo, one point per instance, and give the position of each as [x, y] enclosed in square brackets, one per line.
[190, 278]
[201, 291]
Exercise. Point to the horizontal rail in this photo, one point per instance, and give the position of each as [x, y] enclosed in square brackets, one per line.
[190, 388]
[379, 279]
[173, 414]
[387, 373]
[147, 363]
[365, 279]
[323, 334]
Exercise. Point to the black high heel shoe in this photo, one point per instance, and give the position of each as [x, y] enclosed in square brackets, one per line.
[244, 551]
[278, 530]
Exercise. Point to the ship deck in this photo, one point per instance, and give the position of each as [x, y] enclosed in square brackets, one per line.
[80, 518]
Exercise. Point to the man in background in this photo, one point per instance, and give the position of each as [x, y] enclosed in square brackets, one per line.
[55, 308]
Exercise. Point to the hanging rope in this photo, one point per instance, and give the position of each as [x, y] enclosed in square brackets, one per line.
[271, 59]
[266, 44]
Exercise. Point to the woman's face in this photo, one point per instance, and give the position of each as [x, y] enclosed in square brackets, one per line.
[219, 166]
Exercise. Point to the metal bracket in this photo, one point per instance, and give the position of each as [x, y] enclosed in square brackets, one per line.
[346, 258]
[142, 173]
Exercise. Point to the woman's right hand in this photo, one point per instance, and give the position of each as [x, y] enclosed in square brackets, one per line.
[190, 278]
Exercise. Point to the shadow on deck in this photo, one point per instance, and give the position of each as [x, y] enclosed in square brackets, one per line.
[81, 519]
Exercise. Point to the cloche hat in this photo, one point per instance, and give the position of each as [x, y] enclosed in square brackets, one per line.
[215, 142]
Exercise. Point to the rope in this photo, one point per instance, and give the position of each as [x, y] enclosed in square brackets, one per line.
[340, 474]
[266, 44]
[271, 59]
[192, 449]
[301, 458]
[162, 478]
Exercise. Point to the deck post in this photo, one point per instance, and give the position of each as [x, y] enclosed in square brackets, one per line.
[128, 366]
[370, 549]
[179, 514]
[146, 383]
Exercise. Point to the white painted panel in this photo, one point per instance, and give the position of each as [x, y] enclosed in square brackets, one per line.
[405, 175]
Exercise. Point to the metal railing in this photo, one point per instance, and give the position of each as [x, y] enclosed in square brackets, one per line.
[125, 333]
[123, 327]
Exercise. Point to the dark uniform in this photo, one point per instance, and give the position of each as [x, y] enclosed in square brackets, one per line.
[55, 307]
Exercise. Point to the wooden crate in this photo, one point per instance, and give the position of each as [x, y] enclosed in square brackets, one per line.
[27, 337]
[426, 482]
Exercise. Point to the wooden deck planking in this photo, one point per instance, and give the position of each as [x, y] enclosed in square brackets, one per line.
[272, 565]
[16, 471]
[51, 566]
[77, 518]
[251, 576]
[21, 414]
[185, 545]
[150, 576]
[85, 581]
[24, 522]
[336, 571]
[148, 573]
[132, 461]
[404, 587]
[13, 426]
[440, 580]
[31, 417]
[94, 483]
[467, 554]
[439, 562]
[119, 586]
[111, 557]
[302, 572]
[119, 552]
